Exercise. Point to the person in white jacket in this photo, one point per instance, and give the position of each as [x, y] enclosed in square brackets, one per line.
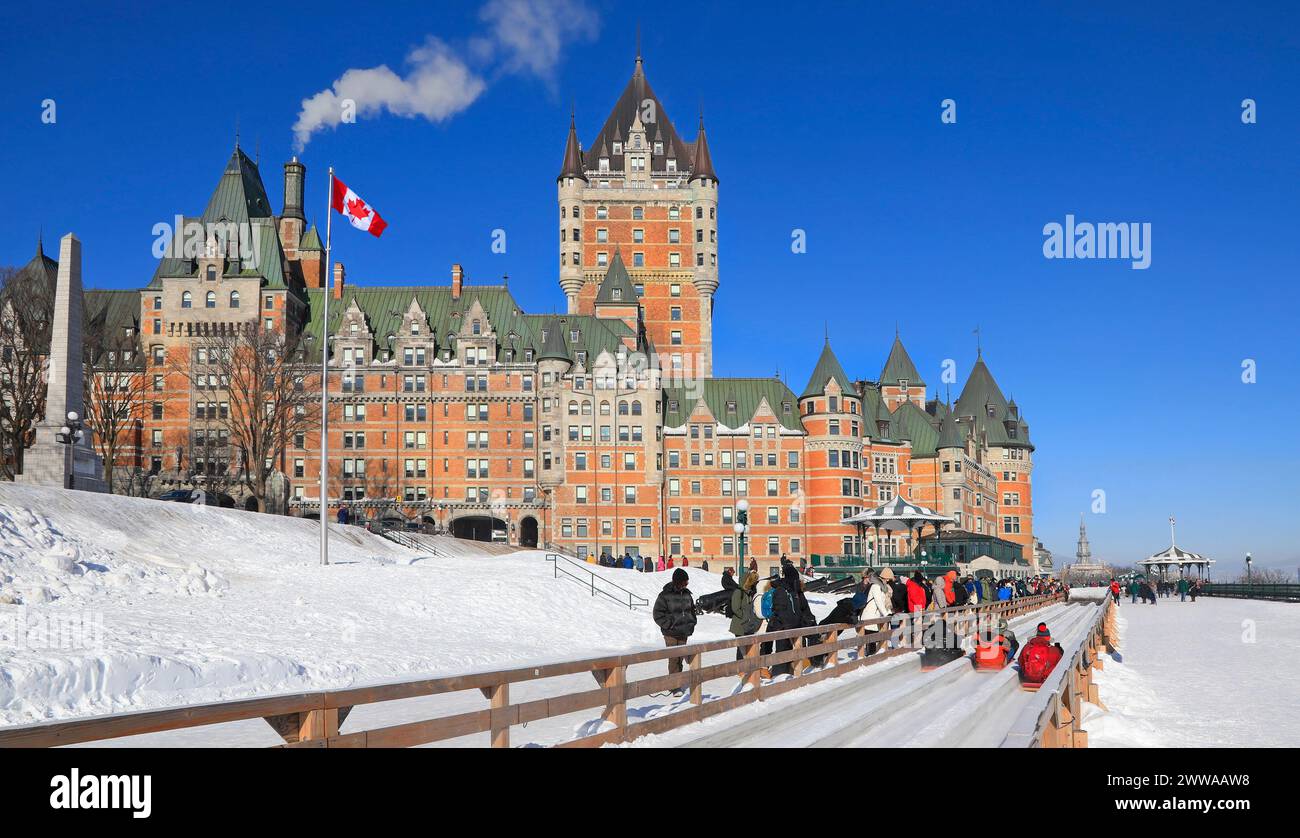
[879, 596]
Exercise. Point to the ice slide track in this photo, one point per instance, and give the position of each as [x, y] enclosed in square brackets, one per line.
[901, 706]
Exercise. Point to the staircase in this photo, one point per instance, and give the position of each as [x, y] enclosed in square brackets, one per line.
[599, 585]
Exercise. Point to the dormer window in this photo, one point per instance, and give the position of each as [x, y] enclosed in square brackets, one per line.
[604, 164]
[902, 384]
[352, 329]
[731, 407]
[659, 147]
[617, 293]
[415, 328]
[618, 148]
[672, 164]
[476, 328]
[573, 335]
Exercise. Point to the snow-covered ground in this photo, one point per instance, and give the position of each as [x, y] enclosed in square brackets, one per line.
[1214, 673]
[155, 604]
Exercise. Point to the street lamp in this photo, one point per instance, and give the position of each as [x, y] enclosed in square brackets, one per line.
[741, 528]
[70, 434]
[1248, 561]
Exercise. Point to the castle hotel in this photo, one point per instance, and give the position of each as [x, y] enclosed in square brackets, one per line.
[600, 429]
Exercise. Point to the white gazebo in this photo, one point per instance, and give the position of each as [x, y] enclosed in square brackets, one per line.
[897, 515]
[1175, 556]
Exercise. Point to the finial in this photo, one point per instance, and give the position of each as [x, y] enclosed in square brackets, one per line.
[638, 42]
[236, 132]
[40, 241]
[827, 325]
[979, 349]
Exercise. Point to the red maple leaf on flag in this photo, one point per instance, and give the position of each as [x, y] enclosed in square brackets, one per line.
[357, 208]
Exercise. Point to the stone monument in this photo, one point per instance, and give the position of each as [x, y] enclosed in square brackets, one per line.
[50, 462]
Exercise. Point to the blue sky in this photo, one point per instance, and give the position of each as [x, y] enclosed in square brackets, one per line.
[823, 117]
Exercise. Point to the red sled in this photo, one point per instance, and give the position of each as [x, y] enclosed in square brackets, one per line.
[989, 659]
[1031, 686]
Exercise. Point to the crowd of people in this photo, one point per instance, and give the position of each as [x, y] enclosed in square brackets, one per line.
[643, 564]
[1149, 591]
[778, 603]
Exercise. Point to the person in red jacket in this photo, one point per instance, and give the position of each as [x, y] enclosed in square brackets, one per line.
[916, 592]
[1114, 591]
[1039, 657]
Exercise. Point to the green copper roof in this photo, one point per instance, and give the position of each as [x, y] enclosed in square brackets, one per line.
[239, 198]
[553, 345]
[899, 367]
[982, 399]
[950, 433]
[311, 240]
[746, 394]
[385, 306]
[616, 280]
[107, 315]
[828, 367]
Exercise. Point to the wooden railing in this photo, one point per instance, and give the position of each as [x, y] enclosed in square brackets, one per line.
[313, 719]
[1055, 720]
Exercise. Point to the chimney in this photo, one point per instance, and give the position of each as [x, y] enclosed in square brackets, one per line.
[457, 278]
[338, 280]
[295, 174]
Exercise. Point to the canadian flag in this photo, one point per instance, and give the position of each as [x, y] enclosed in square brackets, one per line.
[361, 214]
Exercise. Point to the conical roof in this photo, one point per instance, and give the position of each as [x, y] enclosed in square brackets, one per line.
[899, 367]
[702, 163]
[982, 399]
[616, 278]
[311, 240]
[828, 367]
[950, 435]
[638, 100]
[572, 166]
[553, 347]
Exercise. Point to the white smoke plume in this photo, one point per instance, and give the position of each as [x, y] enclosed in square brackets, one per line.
[523, 37]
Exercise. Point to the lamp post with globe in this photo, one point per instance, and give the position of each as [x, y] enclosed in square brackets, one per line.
[742, 528]
[70, 434]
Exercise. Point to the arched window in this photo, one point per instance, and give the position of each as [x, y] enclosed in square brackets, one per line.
[586, 408]
[187, 300]
[636, 408]
[602, 212]
[234, 299]
[622, 408]
[476, 328]
[212, 274]
[573, 408]
[210, 301]
[604, 408]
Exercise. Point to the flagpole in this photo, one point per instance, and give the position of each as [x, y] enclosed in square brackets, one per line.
[327, 289]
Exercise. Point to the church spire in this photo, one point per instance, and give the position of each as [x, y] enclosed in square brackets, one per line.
[702, 165]
[572, 166]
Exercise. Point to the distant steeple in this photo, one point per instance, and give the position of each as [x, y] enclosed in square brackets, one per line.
[1083, 554]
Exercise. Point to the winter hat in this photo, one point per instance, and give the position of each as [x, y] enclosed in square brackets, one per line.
[680, 576]
[887, 574]
[1042, 630]
[859, 601]
[751, 580]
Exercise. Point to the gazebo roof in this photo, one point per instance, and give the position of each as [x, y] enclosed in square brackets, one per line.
[1173, 554]
[898, 513]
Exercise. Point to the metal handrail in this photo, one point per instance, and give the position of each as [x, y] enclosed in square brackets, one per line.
[633, 600]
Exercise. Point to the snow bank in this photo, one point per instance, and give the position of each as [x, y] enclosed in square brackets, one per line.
[111, 603]
[1210, 673]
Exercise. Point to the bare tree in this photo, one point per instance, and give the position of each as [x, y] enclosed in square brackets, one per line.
[1264, 576]
[254, 373]
[115, 388]
[26, 310]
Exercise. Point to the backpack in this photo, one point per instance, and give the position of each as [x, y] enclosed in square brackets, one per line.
[1037, 662]
[767, 604]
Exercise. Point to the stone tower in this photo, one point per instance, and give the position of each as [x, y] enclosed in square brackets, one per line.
[1083, 554]
[641, 190]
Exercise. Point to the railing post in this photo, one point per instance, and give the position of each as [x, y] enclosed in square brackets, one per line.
[499, 697]
[616, 701]
[751, 677]
[697, 689]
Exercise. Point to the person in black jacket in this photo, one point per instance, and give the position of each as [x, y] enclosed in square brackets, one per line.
[789, 611]
[674, 613]
[847, 610]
